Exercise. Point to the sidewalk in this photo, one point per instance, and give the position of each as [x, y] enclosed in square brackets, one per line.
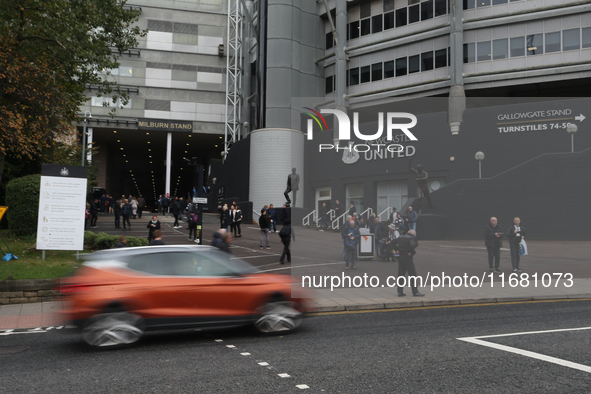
[350, 299]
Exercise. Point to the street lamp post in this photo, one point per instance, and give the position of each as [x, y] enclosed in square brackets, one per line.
[479, 156]
[87, 115]
[572, 129]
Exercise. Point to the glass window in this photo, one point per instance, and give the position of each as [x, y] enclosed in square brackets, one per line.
[376, 24]
[497, 2]
[482, 3]
[354, 76]
[440, 7]
[389, 20]
[427, 10]
[389, 69]
[365, 9]
[500, 49]
[586, 34]
[441, 58]
[401, 67]
[427, 61]
[329, 84]
[469, 4]
[388, 5]
[365, 26]
[534, 44]
[329, 41]
[469, 53]
[483, 51]
[413, 13]
[401, 17]
[571, 39]
[376, 72]
[354, 195]
[365, 74]
[347, 80]
[413, 64]
[553, 42]
[126, 71]
[354, 30]
[393, 194]
[517, 46]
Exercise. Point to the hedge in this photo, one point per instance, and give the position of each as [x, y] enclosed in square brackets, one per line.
[22, 199]
[100, 241]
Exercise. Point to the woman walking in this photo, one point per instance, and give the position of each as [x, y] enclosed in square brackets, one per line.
[153, 225]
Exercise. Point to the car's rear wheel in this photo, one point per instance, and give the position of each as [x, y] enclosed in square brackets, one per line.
[114, 329]
[278, 316]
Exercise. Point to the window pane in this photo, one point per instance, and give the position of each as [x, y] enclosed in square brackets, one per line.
[427, 61]
[413, 64]
[441, 58]
[553, 42]
[389, 20]
[376, 24]
[469, 53]
[354, 76]
[482, 3]
[348, 73]
[517, 46]
[586, 33]
[440, 7]
[427, 10]
[413, 13]
[400, 66]
[469, 4]
[126, 71]
[484, 51]
[365, 26]
[388, 5]
[497, 2]
[389, 69]
[328, 85]
[354, 31]
[365, 74]
[401, 17]
[500, 49]
[329, 41]
[365, 9]
[571, 39]
[376, 71]
[534, 44]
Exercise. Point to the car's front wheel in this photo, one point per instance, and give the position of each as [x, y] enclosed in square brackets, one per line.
[115, 329]
[278, 316]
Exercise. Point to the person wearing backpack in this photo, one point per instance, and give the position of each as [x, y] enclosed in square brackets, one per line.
[192, 219]
[286, 234]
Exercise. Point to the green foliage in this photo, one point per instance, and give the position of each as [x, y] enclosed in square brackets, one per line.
[22, 199]
[132, 241]
[105, 241]
[89, 239]
[101, 240]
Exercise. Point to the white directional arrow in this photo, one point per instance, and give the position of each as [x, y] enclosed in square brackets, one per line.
[580, 118]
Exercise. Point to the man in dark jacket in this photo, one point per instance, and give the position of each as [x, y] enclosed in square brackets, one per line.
[515, 234]
[322, 217]
[141, 205]
[221, 240]
[94, 210]
[286, 234]
[272, 219]
[264, 225]
[410, 222]
[351, 240]
[407, 245]
[381, 235]
[493, 243]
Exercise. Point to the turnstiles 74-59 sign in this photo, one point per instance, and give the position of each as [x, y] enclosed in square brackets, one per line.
[62, 204]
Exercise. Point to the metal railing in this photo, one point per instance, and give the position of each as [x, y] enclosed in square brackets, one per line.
[306, 219]
[335, 223]
[369, 211]
[386, 211]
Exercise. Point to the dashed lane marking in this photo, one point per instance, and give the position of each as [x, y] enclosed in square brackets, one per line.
[283, 375]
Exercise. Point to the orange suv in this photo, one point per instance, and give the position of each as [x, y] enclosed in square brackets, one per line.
[119, 294]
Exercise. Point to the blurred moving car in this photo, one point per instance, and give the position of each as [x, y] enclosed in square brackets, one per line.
[119, 294]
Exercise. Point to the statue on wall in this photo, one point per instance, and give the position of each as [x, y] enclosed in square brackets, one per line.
[293, 185]
[422, 186]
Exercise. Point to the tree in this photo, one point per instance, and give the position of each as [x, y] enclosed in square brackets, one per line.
[51, 51]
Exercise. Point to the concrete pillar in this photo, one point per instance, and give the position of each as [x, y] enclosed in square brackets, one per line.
[168, 161]
[89, 144]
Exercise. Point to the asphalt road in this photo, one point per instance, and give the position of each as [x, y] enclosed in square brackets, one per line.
[412, 350]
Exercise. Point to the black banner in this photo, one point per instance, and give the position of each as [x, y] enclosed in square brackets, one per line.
[64, 171]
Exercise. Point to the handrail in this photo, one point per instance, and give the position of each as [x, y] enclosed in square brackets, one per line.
[256, 213]
[306, 219]
[331, 214]
[369, 212]
[335, 222]
[388, 210]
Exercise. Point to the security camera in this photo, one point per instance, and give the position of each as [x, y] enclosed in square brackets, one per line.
[89, 116]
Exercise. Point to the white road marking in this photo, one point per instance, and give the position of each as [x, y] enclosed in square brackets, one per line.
[231, 346]
[302, 386]
[264, 364]
[283, 375]
[245, 354]
[219, 340]
[302, 266]
[467, 247]
[527, 353]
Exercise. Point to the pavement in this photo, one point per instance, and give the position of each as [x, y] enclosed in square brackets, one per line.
[555, 270]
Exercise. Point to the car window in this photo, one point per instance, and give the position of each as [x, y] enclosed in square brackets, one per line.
[153, 263]
[182, 264]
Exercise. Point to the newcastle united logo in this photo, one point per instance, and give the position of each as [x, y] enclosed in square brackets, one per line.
[350, 155]
[64, 172]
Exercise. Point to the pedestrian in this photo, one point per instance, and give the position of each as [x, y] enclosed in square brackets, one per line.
[221, 240]
[407, 245]
[338, 211]
[157, 238]
[285, 213]
[111, 204]
[399, 223]
[393, 215]
[117, 211]
[515, 234]
[389, 248]
[94, 210]
[272, 219]
[141, 205]
[176, 211]
[153, 225]
[121, 244]
[264, 225]
[493, 243]
[107, 203]
[286, 235]
[322, 217]
[86, 215]
[126, 213]
[165, 203]
[411, 219]
[101, 204]
[225, 217]
[352, 209]
[192, 221]
[381, 237]
[134, 207]
[160, 206]
[351, 237]
[182, 205]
